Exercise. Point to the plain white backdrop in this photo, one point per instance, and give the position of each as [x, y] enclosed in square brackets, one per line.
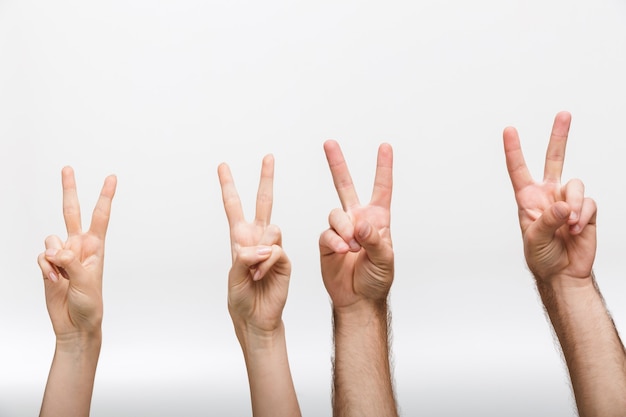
[161, 92]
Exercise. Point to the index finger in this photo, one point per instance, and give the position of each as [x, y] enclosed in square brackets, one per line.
[341, 175]
[102, 211]
[230, 197]
[383, 181]
[515, 163]
[71, 207]
[265, 196]
[555, 155]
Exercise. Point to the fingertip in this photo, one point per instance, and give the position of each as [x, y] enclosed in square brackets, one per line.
[257, 275]
[563, 115]
[573, 218]
[354, 246]
[51, 252]
[342, 247]
[575, 229]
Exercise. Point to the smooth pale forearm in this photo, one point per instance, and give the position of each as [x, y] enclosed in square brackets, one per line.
[70, 383]
[590, 343]
[271, 386]
[362, 383]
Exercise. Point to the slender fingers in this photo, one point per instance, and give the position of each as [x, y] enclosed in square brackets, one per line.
[276, 254]
[230, 197]
[102, 211]
[71, 207]
[515, 163]
[247, 259]
[383, 182]
[265, 194]
[48, 269]
[341, 175]
[555, 155]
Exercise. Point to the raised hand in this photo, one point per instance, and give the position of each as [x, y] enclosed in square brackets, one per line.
[258, 281]
[72, 272]
[72, 269]
[558, 222]
[356, 252]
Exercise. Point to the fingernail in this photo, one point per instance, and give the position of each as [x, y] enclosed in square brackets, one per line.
[575, 228]
[354, 245]
[257, 275]
[264, 250]
[573, 215]
[51, 252]
[343, 246]
[53, 277]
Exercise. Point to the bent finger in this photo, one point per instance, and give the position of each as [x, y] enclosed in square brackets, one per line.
[330, 242]
[588, 213]
[378, 250]
[277, 255]
[542, 231]
[247, 258]
[69, 262]
[341, 223]
[48, 271]
[573, 193]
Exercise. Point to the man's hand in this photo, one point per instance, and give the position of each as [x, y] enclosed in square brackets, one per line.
[558, 222]
[356, 251]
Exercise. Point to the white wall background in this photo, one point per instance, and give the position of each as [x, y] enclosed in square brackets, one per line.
[160, 92]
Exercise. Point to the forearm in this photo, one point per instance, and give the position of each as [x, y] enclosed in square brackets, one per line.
[362, 383]
[70, 382]
[591, 346]
[271, 386]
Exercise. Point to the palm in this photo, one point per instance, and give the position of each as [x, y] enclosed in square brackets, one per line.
[75, 301]
[564, 253]
[72, 307]
[350, 276]
[257, 302]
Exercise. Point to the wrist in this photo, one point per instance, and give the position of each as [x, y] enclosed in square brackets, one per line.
[562, 284]
[252, 338]
[361, 315]
[79, 342]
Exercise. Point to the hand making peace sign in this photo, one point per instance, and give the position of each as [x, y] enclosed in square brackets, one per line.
[356, 252]
[558, 222]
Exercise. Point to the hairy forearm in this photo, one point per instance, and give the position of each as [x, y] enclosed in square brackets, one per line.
[271, 386]
[590, 343]
[362, 383]
[70, 383]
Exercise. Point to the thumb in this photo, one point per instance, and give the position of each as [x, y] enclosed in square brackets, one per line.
[67, 260]
[542, 231]
[369, 238]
